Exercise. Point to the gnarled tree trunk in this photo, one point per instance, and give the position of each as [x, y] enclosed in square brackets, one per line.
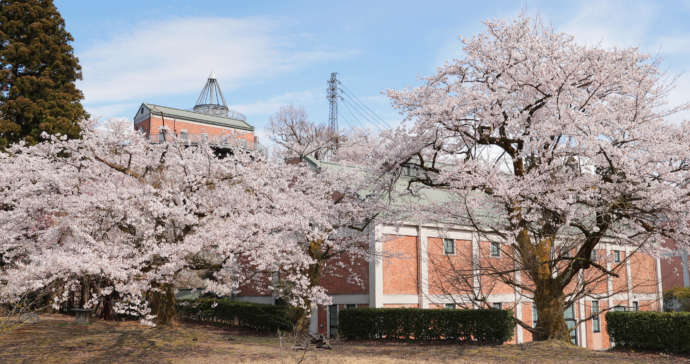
[550, 303]
[163, 304]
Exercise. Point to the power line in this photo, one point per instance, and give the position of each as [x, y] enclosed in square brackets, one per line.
[371, 112]
[348, 103]
[364, 113]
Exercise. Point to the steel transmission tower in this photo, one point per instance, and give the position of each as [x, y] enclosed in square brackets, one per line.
[332, 97]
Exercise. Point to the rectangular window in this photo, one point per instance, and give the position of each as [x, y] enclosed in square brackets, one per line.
[350, 305]
[184, 136]
[619, 308]
[535, 315]
[450, 305]
[495, 249]
[596, 326]
[617, 256]
[332, 321]
[593, 256]
[636, 306]
[497, 305]
[448, 246]
[162, 131]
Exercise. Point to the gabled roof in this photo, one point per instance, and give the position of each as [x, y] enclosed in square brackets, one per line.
[198, 117]
[425, 197]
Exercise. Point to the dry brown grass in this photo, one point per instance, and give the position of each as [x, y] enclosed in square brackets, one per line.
[58, 339]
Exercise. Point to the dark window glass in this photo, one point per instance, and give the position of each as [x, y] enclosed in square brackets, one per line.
[448, 246]
[495, 249]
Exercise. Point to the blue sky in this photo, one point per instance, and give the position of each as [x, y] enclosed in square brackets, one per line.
[268, 54]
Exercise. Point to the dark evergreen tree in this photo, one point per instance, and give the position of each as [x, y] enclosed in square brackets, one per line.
[38, 71]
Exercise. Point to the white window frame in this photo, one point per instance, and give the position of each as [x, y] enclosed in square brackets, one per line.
[595, 317]
[493, 244]
[452, 241]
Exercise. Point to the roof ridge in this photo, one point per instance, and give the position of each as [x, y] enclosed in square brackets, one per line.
[242, 124]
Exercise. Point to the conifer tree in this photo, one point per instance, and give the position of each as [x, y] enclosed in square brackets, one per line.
[38, 71]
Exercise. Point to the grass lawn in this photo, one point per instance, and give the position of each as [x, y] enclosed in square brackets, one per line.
[58, 339]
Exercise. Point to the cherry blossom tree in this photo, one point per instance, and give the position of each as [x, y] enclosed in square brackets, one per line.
[337, 243]
[118, 219]
[550, 148]
[291, 130]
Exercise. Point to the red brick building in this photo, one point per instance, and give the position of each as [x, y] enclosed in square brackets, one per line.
[674, 267]
[413, 271]
[414, 259]
[408, 275]
[209, 121]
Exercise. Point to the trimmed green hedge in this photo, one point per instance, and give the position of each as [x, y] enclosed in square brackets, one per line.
[659, 331]
[480, 326]
[254, 316]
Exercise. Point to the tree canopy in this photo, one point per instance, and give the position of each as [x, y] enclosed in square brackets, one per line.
[38, 70]
[122, 218]
[551, 148]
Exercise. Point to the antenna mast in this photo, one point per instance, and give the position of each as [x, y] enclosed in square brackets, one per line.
[332, 97]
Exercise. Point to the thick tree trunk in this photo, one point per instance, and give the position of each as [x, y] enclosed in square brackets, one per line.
[302, 337]
[84, 291]
[163, 304]
[548, 293]
[550, 303]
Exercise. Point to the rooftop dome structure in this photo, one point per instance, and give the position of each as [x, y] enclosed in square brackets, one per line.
[211, 100]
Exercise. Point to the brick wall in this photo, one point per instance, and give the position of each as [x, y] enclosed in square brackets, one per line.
[400, 265]
[153, 124]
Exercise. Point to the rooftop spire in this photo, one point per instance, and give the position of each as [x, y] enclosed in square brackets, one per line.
[211, 100]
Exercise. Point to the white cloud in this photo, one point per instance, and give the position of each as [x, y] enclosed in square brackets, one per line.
[615, 23]
[119, 110]
[272, 104]
[175, 56]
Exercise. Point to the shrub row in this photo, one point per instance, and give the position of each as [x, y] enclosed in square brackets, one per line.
[659, 331]
[480, 326]
[254, 316]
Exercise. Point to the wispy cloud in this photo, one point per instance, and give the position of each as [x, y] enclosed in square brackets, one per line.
[174, 57]
[618, 23]
[614, 23]
[273, 104]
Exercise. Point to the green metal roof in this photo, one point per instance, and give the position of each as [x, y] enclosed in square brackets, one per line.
[426, 197]
[198, 117]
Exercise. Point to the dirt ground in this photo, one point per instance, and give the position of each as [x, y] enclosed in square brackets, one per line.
[58, 339]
